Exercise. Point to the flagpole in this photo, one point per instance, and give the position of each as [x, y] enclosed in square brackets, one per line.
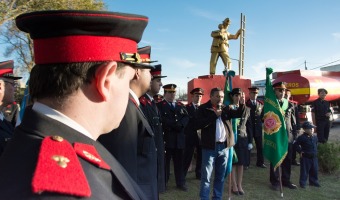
[229, 186]
[228, 86]
[280, 179]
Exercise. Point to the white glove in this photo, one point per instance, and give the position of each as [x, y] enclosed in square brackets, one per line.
[250, 146]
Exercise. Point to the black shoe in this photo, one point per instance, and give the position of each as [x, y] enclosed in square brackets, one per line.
[235, 192]
[290, 186]
[302, 186]
[183, 188]
[294, 162]
[262, 165]
[241, 192]
[315, 184]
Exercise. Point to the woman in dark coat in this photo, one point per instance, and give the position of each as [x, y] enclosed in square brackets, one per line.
[243, 135]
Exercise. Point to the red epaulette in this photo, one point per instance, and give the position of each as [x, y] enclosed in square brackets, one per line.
[89, 153]
[179, 103]
[164, 102]
[143, 100]
[59, 170]
[261, 102]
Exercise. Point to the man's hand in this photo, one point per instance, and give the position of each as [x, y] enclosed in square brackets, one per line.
[250, 146]
[243, 98]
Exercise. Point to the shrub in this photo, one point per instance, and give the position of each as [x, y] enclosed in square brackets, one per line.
[329, 157]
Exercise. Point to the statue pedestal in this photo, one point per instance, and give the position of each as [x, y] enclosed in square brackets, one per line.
[207, 82]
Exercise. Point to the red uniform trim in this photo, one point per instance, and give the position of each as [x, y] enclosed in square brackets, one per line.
[89, 153]
[59, 170]
[144, 100]
[6, 71]
[156, 73]
[81, 48]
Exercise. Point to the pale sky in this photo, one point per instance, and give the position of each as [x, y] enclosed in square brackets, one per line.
[279, 34]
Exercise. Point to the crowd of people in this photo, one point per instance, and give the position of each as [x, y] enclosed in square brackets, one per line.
[98, 128]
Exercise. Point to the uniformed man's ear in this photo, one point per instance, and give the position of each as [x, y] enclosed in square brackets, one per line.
[137, 73]
[104, 77]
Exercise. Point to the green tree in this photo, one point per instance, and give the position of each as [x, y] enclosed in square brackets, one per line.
[19, 43]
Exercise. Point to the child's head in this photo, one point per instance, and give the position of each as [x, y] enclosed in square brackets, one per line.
[308, 127]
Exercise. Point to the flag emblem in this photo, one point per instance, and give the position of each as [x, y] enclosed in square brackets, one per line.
[272, 123]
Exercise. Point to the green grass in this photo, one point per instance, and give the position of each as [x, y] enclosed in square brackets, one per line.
[256, 185]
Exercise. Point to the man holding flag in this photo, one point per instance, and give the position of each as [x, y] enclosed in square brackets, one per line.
[279, 118]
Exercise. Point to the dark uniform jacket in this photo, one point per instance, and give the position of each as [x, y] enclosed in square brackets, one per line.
[307, 144]
[104, 176]
[320, 108]
[174, 122]
[296, 126]
[206, 120]
[6, 133]
[133, 145]
[256, 115]
[190, 130]
[151, 112]
[290, 121]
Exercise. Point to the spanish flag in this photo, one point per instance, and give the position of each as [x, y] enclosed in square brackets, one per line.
[275, 141]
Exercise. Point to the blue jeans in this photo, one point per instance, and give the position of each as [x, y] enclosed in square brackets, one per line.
[217, 158]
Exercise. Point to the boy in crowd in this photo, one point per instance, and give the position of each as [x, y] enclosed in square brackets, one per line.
[306, 145]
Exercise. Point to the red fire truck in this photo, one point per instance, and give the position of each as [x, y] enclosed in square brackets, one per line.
[304, 85]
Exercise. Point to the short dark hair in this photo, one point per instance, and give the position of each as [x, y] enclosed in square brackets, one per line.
[60, 80]
[212, 91]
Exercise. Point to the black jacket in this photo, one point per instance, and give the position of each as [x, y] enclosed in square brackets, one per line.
[190, 130]
[19, 162]
[133, 145]
[174, 122]
[256, 115]
[206, 120]
[6, 133]
[151, 112]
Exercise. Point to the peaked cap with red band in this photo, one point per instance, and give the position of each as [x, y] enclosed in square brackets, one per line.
[69, 36]
[197, 91]
[254, 89]
[6, 70]
[170, 87]
[157, 72]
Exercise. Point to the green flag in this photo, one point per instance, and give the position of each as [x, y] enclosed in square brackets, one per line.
[275, 141]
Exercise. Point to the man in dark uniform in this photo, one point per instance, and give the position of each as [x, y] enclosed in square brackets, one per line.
[7, 89]
[151, 112]
[175, 118]
[192, 136]
[296, 127]
[132, 143]
[158, 98]
[321, 112]
[289, 117]
[256, 115]
[84, 63]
